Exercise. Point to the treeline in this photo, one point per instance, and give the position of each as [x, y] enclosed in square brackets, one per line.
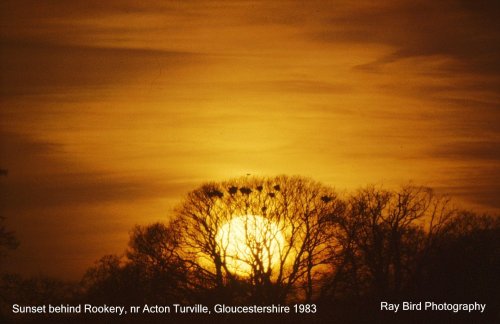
[345, 253]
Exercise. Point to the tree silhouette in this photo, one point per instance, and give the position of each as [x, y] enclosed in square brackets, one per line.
[8, 240]
[150, 271]
[370, 244]
[384, 236]
[257, 240]
[298, 209]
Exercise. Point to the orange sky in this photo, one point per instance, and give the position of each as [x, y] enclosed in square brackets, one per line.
[112, 110]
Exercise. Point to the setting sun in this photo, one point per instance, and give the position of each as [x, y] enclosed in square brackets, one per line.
[250, 243]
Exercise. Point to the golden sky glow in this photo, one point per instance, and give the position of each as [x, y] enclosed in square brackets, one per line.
[112, 110]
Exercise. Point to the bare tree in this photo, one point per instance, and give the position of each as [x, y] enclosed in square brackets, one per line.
[284, 255]
[150, 271]
[384, 235]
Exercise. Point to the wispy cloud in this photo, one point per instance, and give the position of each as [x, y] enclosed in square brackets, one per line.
[45, 68]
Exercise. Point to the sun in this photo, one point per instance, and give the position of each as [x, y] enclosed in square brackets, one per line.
[250, 243]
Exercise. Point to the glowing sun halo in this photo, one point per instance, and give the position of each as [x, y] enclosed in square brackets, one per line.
[247, 239]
